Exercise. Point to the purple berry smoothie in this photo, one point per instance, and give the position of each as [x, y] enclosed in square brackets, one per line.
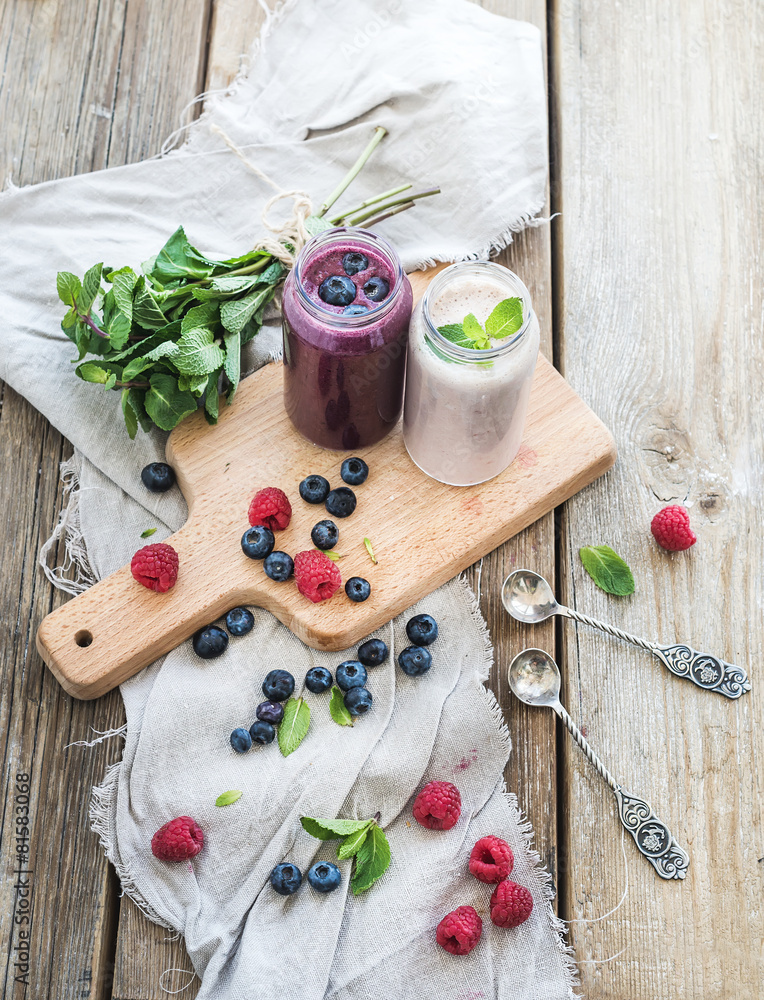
[344, 371]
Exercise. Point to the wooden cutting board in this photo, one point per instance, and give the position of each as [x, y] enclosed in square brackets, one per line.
[423, 532]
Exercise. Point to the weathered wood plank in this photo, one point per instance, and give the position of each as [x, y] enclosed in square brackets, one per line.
[661, 144]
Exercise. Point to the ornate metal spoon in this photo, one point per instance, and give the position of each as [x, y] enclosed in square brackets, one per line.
[535, 679]
[528, 598]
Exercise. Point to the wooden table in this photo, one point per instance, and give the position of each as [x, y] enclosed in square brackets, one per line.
[649, 291]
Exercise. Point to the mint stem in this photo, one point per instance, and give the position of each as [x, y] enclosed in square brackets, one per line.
[89, 322]
[377, 817]
[356, 220]
[379, 134]
[336, 219]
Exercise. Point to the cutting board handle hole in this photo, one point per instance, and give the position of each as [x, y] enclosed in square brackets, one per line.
[83, 637]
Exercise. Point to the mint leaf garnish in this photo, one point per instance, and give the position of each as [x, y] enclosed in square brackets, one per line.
[372, 861]
[363, 838]
[475, 332]
[456, 334]
[353, 842]
[148, 532]
[506, 319]
[68, 287]
[228, 798]
[331, 554]
[337, 708]
[607, 569]
[370, 550]
[294, 725]
[333, 829]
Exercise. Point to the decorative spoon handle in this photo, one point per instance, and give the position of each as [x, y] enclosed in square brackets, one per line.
[703, 669]
[652, 837]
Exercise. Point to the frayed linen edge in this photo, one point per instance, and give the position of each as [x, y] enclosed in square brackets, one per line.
[69, 527]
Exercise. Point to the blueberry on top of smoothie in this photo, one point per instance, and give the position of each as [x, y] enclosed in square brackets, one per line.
[355, 310]
[353, 262]
[376, 289]
[337, 290]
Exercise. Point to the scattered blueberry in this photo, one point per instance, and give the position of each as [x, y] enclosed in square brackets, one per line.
[210, 642]
[354, 471]
[353, 262]
[278, 566]
[358, 701]
[270, 711]
[324, 876]
[318, 680]
[241, 741]
[158, 477]
[350, 674]
[415, 660]
[357, 589]
[373, 652]
[239, 621]
[422, 630]
[325, 535]
[286, 879]
[278, 685]
[314, 489]
[257, 542]
[341, 502]
[262, 733]
[355, 310]
[376, 289]
[337, 290]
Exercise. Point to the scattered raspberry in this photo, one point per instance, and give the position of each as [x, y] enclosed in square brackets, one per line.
[460, 931]
[511, 904]
[438, 806]
[316, 576]
[178, 840]
[671, 529]
[491, 859]
[156, 566]
[271, 508]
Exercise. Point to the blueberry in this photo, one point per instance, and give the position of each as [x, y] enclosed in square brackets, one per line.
[325, 535]
[422, 630]
[158, 477]
[286, 879]
[376, 289]
[324, 876]
[337, 290]
[353, 262]
[278, 685]
[314, 489]
[355, 310]
[415, 660]
[318, 680]
[358, 701]
[262, 733]
[373, 652]
[270, 711]
[341, 502]
[241, 741]
[357, 589]
[257, 542]
[354, 471]
[350, 674]
[278, 566]
[210, 642]
[239, 621]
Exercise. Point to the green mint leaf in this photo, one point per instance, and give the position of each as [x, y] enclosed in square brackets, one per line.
[370, 550]
[353, 842]
[164, 350]
[197, 353]
[232, 366]
[506, 319]
[315, 224]
[473, 329]
[607, 569]
[146, 311]
[131, 420]
[134, 368]
[90, 372]
[123, 283]
[165, 403]
[148, 532]
[118, 329]
[136, 401]
[91, 286]
[68, 286]
[331, 554]
[372, 861]
[337, 708]
[200, 317]
[69, 320]
[294, 725]
[178, 259]
[332, 829]
[228, 798]
[273, 273]
[211, 397]
[236, 313]
[227, 286]
[110, 382]
[455, 333]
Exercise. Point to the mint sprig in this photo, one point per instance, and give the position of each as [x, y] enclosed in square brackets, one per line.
[364, 840]
[607, 569]
[505, 319]
[294, 725]
[337, 708]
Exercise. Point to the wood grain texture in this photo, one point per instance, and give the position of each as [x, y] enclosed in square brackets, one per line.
[661, 257]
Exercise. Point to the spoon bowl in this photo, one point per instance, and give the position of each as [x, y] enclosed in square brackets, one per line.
[528, 597]
[535, 678]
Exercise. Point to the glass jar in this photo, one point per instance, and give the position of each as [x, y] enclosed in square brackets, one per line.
[344, 363]
[465, 408]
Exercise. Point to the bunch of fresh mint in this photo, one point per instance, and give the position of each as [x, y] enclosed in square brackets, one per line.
[362, 839]
[506, 318]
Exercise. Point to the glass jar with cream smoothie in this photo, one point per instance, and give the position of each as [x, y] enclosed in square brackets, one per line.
[473, 345]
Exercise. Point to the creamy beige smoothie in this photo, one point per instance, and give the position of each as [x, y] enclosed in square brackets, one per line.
[464, 406]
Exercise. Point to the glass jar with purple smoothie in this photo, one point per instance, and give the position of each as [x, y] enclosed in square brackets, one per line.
[346, 309]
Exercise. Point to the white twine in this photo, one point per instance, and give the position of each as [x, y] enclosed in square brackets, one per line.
[103, 735]
[185, 972]
[594, 920]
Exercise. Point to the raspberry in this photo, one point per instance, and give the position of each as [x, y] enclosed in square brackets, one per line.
[671, 529]
[491, 859]
[460, 931]
[511, 904]
[316, 576]
[271, 508]
[178, 840]
[438, 806]
[156, 567]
